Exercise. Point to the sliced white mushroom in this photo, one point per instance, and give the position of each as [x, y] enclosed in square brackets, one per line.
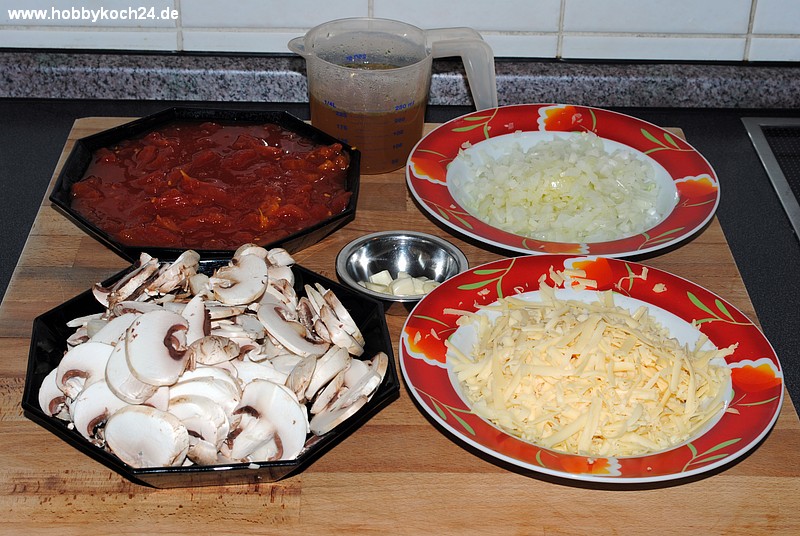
[216, 372]
[156, 347]
[198, 321]
[275, 416]
[325, 421]
[171, 277]
[300, 377]
[288, 333]
[113, 329]
[220, 391]
[330, 392]
[248, 371]
[129, 306]
[250, 249]
[143, 436]
[92, 407]
[200, 285]
[212, 349]
[129, 286]
[83, 320]
[241, 282]
[347, 322]
[120, 378]
[282, 290]
[355, 371]
[218, 310]
[337, 332]
[52, 400]
[285, 362]
[279, 257]
[203, 418]
[81, 366]
[159, 399]
[363, 387]
[334, 361]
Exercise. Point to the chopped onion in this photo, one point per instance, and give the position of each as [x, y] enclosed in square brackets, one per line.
[563, 190]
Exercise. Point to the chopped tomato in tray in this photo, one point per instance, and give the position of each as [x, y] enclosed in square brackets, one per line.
[212, 186]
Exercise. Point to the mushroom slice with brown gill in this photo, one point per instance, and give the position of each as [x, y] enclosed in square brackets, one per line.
[241, 282]
[143, 436]
[52, 400]
[348, 324]
[300, 377]
[330, 392]
[156, 347]
[130, 285]
[289, 333]
[82, 365]
[353, 396]
[334, 361]
[93, 406]
[207, 424]
[175, 274]
[271, 415]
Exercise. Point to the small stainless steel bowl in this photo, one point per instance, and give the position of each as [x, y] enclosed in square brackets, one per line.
[418, 254]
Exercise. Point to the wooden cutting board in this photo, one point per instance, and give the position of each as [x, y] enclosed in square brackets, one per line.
[398, 473]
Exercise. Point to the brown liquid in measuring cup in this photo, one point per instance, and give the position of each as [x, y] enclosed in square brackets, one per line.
[385, 139]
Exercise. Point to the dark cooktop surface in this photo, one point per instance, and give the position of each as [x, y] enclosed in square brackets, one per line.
[777, 142]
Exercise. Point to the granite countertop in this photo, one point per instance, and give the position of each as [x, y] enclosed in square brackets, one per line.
[281, 78]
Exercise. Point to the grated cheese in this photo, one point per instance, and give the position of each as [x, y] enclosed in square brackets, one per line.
[588, 378]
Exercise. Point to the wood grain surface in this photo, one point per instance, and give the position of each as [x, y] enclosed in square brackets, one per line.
[396, 474]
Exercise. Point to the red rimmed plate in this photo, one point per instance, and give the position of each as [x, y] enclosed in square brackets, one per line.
[693, 177]
[756, 373]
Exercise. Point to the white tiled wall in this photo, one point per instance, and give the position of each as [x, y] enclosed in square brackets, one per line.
[715, 30]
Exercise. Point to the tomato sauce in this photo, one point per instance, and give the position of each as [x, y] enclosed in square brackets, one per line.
[211, 186]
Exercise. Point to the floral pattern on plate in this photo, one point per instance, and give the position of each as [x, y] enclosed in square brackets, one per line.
[693, 176]
[757, 378]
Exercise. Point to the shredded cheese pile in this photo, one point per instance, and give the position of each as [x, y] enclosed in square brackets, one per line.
[588, 378]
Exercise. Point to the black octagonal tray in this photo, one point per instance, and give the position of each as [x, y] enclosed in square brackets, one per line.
[80, 157]
[48, 344]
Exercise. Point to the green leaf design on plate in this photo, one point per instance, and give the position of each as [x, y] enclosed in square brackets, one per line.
[449, 214]
[761, 403]
[481, 121]
[705, 457]
[433, 152]
[668, 144]
[484, 271]
[438, 409]
[443, 410]
[431, 319]
[713, 316]
[486, 282]
[467, 128]
[666, 236]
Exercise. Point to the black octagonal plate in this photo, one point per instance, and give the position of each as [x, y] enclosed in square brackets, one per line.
[48, 344]
[80, 157]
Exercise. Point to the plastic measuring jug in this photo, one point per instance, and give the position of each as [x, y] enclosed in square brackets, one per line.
[368, 82]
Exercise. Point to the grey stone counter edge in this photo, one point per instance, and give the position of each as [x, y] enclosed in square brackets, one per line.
[277, 78]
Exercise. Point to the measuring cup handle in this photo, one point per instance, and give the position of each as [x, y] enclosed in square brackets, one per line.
[477, 56]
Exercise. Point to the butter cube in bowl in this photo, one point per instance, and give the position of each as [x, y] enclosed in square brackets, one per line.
[398, 267]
